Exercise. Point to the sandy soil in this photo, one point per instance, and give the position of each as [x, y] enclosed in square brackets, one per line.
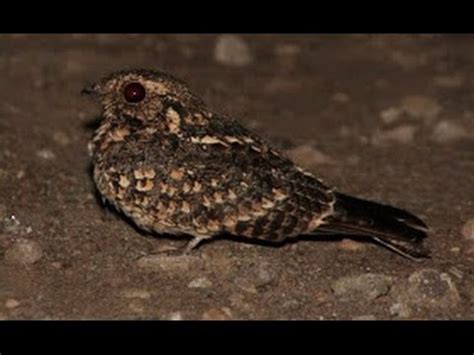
[389, 118]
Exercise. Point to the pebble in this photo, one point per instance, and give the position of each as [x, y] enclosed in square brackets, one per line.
[467, 230]
[340, 97]
[390, 114]
[365, 317]
[11, 303]
[223, 313]
[25, 252]
[265, 274]
[287, 50]
[201, 282]
[449, 81]
[3, 211]
[351, 245]
[176, 316]
[232, 50]
[429, 288]
[400, 310]
[61, 138]
[45, 154]
[306, 155]
[404, 134]
[166, 262]
[423, 107]
[11, 224]
[136, 293]
[365, 287]
[409, 61]
[447, 132]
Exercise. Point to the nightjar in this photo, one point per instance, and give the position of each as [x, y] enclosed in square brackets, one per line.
[173, 166]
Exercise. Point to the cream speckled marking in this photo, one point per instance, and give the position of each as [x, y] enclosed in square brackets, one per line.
[279, 195]
[119, 134]
[124, 181]
[213, 226]
[144, 185]
[267, 204]
[197, 186]
[185, 207]
[174, 120]
[231, 195]
[205, 201]
[231, 140]
[218, 197]
[177, 174]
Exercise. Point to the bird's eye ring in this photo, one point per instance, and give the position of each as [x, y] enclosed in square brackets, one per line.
[134, 92]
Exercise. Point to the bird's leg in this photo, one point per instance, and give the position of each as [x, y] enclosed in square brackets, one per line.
[193, 243]
[187, 248]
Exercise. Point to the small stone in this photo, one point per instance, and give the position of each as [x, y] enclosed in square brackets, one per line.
[390, 115]
[45, 154]
[409, 61]
[223, 313]
[289, 50]
[3, 211]
[57, 265]
[20, 174]
[449, 81]
[11, 224]
[166, 262]
[136, 306]
[61, 138]
[306, 155]
[404, 134]
[265, 274]
[232, 50]
[447, 132]
[365, 287]
[467, 230]
[136, 293]
[201, 282]
[175, 316]
[429, 288]
[423, 107]
[25, 252]
[351, 245]
[365, 317]
[400, 310]
[340, 97]
[11, 303]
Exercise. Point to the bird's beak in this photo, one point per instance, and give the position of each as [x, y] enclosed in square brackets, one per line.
[93, 89]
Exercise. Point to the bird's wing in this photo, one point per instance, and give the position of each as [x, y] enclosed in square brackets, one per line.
[239, 184]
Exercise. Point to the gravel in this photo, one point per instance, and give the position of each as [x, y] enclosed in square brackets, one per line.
[448, 132]
[422, 107]
[166, 262]
[403, 134]
[467, 230]
[307, 155]
[365, 287]
[428, 288]
[46, 154]
[24, 252]
[223, 313]
[201, 282]
[232, 50]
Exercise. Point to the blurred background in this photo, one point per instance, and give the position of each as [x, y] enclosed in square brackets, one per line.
[384, 117]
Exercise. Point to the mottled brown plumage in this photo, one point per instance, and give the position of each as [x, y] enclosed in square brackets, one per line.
[170, 164]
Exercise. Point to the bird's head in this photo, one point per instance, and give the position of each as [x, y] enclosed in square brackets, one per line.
[141, 94]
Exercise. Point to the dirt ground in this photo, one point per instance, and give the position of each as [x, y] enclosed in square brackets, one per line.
[390, 118]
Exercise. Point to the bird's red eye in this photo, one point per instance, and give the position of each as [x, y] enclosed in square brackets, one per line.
[134, 92]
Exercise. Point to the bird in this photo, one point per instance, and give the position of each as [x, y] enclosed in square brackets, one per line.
[173, 166]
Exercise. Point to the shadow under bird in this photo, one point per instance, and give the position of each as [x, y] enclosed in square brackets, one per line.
[173, 166]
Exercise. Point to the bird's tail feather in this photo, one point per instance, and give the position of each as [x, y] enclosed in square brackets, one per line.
[397, 229]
